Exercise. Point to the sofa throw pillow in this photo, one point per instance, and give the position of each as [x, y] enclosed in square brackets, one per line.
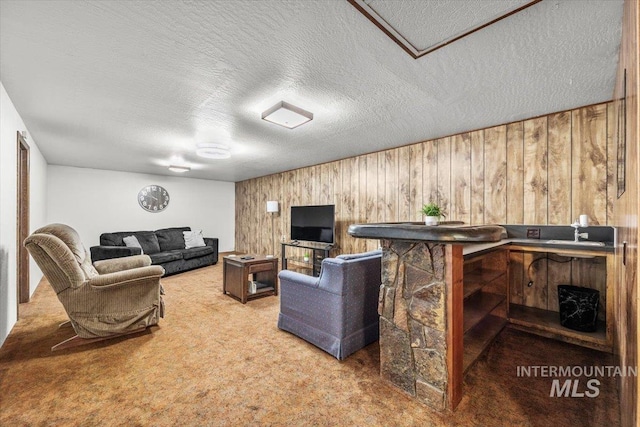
[193, 239]
[171, 239]
[148, 241]
[132, 242]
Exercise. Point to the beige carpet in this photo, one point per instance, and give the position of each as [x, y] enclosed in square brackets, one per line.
[215, 362]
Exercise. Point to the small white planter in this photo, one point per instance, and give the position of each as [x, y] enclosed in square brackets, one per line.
[431, 220]
[305, 259]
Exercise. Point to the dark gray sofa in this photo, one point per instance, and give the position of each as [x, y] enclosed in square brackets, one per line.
[165, 247]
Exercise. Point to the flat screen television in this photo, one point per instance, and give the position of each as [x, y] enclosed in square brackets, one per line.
[313, 223]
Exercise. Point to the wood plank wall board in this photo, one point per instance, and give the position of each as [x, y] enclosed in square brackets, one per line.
[391, 185]
[444, 175]
[495, 175]
[589, 174]
[382, 187]
[536, 295]
[592, 274]
[346, 205]
[477, 178]
[264, 224]
[515, 173]
[362, 201]
[279, 217]
[342, 208]
[404, 184]
[317, 185]
[497, 261]
[326, 194]
[558, 273]
[253, 229]
[337, 201]
[415, 182]
[352, 213]
[291, 199]
[535, 171]
[430, 172]
[240, 194]
[461, 178]
[559, 141]
[372, 196]
[242, 213]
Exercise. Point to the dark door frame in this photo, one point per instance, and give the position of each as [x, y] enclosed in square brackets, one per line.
[22, 220]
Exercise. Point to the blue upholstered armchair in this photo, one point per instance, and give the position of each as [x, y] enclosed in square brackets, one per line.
[338, 311]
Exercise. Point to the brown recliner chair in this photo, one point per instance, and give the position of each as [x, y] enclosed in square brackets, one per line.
[109, 298]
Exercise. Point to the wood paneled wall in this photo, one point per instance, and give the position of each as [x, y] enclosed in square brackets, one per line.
[626, 210]
[545, 170]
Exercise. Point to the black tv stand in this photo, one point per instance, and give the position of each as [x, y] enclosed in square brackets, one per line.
[319, 251]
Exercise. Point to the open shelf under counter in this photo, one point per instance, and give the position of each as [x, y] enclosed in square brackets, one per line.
[478, 338]
[476, 279]
[478, 306]
[547, 323]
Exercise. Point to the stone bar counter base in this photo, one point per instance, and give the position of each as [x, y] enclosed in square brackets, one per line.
[412, 308]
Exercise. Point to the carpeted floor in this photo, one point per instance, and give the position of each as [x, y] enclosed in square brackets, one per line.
[213, 361]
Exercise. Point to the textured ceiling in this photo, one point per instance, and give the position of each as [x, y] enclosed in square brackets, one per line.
[128, 86]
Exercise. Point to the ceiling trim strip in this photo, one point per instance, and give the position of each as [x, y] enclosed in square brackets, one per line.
[407, 46]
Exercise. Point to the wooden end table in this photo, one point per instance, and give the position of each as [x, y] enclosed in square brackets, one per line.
[236, 273]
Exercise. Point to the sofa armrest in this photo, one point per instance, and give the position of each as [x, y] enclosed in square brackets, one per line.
[288, 277]
[128, 277]
[119, 264]
[213, 242]
[99, 253]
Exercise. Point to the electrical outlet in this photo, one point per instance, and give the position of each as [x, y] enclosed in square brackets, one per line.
[533, 233]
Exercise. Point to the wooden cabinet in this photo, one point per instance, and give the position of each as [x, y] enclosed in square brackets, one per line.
[518, 285]
[535, 273]
[239, 272]
[485, 278]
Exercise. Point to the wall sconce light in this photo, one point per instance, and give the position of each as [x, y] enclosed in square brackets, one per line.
[272, 206]
[287, 115]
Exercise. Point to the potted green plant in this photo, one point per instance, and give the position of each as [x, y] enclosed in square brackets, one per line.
[432, 213]
[306, 257]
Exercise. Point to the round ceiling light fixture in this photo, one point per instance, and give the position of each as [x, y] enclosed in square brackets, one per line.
[213, 151]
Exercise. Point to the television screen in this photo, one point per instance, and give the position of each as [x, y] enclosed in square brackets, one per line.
[313, 223]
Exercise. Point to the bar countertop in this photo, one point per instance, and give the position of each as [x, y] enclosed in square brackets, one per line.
[445, 232]
[478, 238]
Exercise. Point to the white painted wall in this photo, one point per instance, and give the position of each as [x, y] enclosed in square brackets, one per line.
[10, 124]
[97, 201]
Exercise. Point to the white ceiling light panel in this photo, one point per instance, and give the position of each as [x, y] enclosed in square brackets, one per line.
[287, 115]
